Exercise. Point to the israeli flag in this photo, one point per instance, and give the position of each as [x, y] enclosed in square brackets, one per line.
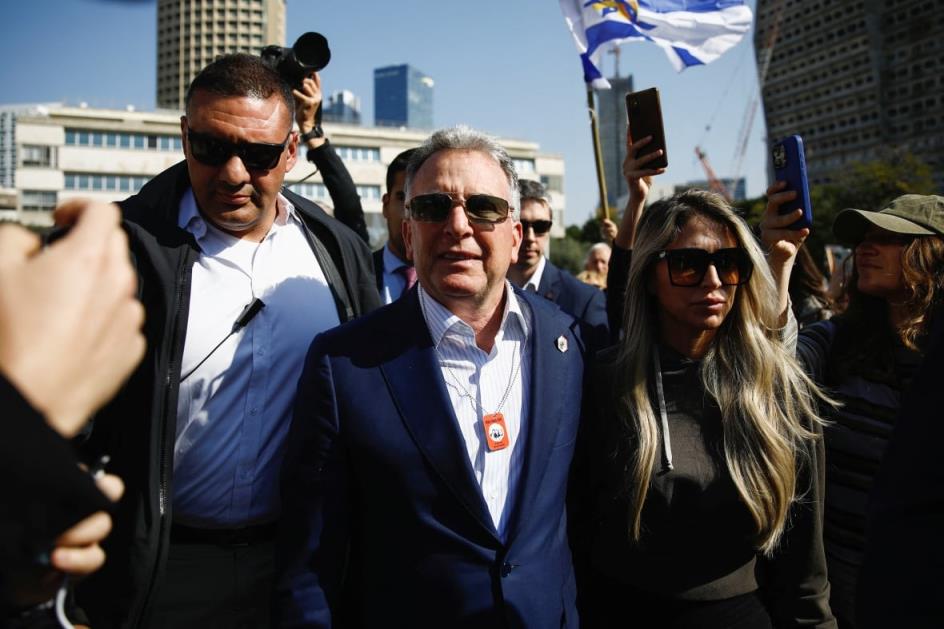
[691, 32]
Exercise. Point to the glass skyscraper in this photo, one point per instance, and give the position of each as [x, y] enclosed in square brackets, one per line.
[403, 97]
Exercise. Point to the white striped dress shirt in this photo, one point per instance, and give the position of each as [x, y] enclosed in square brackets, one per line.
[477, 382]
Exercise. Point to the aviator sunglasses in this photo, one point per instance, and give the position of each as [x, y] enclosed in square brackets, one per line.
[479, 208]
[216, 152]
[687, 267]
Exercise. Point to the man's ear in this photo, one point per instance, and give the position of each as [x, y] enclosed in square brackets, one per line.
[516, 235]
[292, 147]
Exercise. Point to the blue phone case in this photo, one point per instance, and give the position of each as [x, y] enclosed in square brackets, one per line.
[790, 166]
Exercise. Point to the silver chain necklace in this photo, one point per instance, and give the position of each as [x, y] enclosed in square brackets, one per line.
[458, 383]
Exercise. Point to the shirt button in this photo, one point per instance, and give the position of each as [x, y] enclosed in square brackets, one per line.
[506, 568]
[252, 411]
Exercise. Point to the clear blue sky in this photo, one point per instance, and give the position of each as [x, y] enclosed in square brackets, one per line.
[505, 66]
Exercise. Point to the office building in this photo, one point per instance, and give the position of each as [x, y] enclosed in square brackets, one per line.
[403, 97]
[855, 78]
[611, 109]
[56, 152]
[192, 33]
[343, 107]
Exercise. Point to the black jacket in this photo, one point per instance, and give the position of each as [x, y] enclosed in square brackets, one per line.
[137, 429]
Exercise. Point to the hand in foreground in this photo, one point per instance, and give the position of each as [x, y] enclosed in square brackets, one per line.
[70, 326]
[308, 101]
[782, 242]
[77, 551]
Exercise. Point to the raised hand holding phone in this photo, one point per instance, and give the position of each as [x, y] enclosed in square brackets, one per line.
[790, 167]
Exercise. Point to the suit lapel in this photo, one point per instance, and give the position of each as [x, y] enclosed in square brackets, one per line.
[550, 282]
[416, 384]
[548, 369]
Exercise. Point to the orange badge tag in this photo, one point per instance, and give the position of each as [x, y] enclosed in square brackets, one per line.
[496, 433]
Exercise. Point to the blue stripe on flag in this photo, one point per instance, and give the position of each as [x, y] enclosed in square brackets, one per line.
[590, 71]
[687, 58]
[691, 6]
[605, 32]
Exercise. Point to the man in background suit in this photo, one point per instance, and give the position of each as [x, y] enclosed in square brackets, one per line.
[437, 498]
[394, 271]
[534, 272]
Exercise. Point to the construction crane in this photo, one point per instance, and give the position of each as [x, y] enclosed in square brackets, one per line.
[714, 184]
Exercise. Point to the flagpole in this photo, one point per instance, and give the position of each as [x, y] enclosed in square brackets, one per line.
[597, 152]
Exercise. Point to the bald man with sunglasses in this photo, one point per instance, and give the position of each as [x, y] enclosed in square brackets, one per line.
[237, 274]
[534, 272]
[427, 466]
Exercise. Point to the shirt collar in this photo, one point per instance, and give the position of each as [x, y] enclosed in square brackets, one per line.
[441, 320]
[391, 261]
[190, 219]
[535, 279]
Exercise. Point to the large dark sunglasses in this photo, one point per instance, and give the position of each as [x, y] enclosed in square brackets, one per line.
[435, 208]
[540, 227]
[687, 267]
[216, 152]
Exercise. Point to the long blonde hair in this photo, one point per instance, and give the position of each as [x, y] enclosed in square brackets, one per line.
[768, 405]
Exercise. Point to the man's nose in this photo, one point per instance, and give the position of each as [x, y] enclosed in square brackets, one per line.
[457, 223]
[234, 171]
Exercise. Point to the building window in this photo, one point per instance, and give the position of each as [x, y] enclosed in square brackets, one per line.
[524, 165]
[370, 193]
[358, 153]
[310, 190]
[31, 155]
[139, 141]
[38, 200]
[104, 183]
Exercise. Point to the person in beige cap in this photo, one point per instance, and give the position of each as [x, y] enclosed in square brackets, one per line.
[867, 358]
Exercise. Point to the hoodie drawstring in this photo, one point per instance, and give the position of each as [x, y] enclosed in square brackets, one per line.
[666, 439]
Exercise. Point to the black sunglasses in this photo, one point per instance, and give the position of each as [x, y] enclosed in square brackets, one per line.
[216, 152]
[480, 208]
[539, 227]
[687, 267]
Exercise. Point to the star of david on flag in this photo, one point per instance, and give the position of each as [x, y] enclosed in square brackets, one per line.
[691, 32]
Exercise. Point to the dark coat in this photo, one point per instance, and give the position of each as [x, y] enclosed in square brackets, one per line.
[585, 303]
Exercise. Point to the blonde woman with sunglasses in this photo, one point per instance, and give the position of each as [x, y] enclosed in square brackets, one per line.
[701, 465]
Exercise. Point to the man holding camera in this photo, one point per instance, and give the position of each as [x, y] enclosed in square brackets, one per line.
[237, 275]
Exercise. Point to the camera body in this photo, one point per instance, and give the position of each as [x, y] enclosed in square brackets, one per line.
[309, 53]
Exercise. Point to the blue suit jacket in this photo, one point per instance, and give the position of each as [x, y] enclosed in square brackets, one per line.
[383, 522]
[585, 303]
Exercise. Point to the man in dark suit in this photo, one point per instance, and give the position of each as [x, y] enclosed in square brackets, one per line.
[534, 272]
[394, 270]
[425, 479]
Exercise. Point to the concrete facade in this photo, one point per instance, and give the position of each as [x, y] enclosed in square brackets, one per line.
[855, 78]
[61, 152]
[192, 33]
